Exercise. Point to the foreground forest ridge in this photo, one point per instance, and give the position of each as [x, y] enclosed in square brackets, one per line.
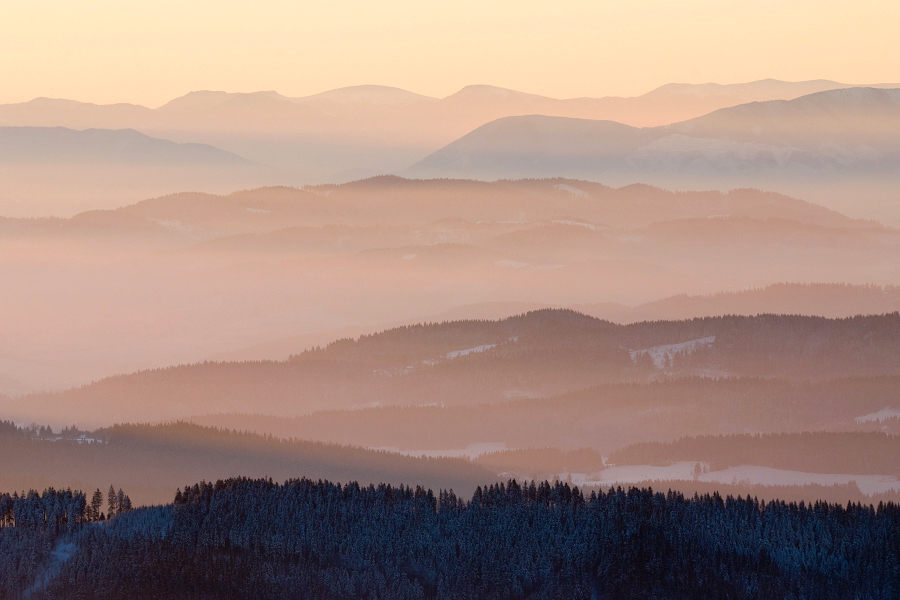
[243, 538]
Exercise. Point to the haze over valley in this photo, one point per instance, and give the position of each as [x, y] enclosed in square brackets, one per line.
[267, 273]
[630, 333]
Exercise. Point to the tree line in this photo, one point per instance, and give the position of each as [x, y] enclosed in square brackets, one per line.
[244, 538]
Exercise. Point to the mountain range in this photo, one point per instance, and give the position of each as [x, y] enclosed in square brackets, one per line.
[382, 109]
[783, 136]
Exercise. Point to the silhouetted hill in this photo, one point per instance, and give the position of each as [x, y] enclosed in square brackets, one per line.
[843, 137]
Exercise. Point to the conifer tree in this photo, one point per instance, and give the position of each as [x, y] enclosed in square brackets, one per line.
[96, 504]
[112, 502]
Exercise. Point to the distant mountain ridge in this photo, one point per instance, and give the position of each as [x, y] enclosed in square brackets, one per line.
[405, 126]
[383, 96]
[361, 131]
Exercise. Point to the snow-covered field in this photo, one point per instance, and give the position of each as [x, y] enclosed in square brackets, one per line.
[590, 226]
[747, 474]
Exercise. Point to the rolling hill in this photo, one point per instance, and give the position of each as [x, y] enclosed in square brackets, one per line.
[833, 130]
[539, 354]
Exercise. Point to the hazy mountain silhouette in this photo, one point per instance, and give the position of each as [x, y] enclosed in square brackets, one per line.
[846, 137]
[360, 131]
[666, 104]
[61, 145]
[61, 171]
[830, 129]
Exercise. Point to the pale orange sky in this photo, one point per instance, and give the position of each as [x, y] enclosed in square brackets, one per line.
[148, 52]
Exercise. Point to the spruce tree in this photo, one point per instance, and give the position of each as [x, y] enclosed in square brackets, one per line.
[112, 502]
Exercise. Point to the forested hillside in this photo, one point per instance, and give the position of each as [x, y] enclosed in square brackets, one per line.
[152, 461]
[243, 538]
[537, 354]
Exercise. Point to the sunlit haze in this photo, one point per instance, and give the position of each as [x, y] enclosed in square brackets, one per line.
[411, 300]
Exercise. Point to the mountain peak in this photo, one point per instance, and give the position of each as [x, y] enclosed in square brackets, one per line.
[490, 92]
[369, 94]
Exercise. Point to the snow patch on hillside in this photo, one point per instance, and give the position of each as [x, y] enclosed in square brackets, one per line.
[881, 415]
[481, 348]
[571, 189]
[660, 353]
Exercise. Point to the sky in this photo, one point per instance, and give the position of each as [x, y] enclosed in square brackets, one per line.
[150, 51]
